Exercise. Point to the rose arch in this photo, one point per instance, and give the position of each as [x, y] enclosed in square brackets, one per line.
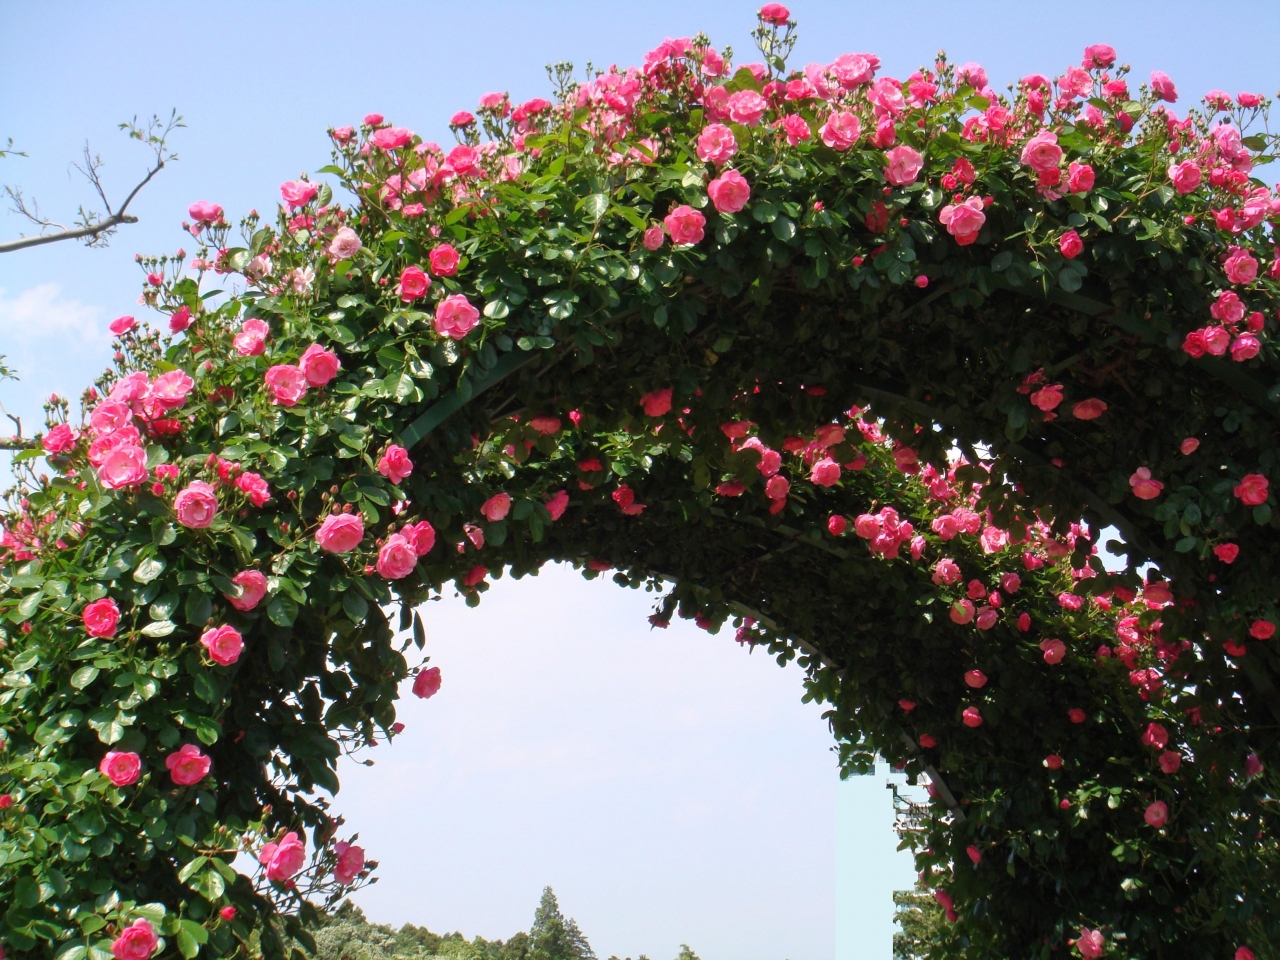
[860, 368]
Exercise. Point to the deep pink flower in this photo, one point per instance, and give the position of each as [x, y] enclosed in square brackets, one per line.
[1170, 761]
[224, 644]
[421, 534]
[1163, 87]
[729, 192]
[1155, 736]
[1047, 398]
[202, 211]
[196, 505]
[121, 767]
[1070, 245]
[1226, 552]
[1091, 944]
[962, 611]
[100, 618]
[716, 144]
[971, 717]
[774, 13]
[841, 131]
[287, 383]
[340, 532]
[138, 941]
[391, 138]
[122, 325]
[60, 439]
[825, 472]
[1185, 176]
[180, 319]
[1089, 409]
[455, 317]
[427, 683]
[1053, 761]
[1245, 347]
[1240, 266]
[395, 464]
[253, 587]
[444, 260]
[254, 487]
[1252, 490]
[251, 341]
[557, 503]
[657, 403]
[413, 284]
[1042, 153]
[746, 107]
[284, 858]
[1080, 178]
[1262, 630]
[319, 365]
[188, 765]
[904, 164]
[1053, 650]
[350, 862]
[685, 225]
[654, 237]
[975, 679]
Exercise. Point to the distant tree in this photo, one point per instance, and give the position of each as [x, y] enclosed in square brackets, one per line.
[553, 937]
[922, 921]
[686, 953]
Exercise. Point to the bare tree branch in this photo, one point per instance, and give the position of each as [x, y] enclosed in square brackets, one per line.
[17, 443]
[92, 227]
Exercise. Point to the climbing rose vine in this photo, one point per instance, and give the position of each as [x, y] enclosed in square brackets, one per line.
[860, 367]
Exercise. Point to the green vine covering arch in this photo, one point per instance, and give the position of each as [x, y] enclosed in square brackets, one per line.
[858, 367]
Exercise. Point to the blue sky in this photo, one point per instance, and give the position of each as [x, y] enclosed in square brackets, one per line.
[669, 786]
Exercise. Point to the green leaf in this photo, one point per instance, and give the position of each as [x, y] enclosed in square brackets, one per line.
[784, 228]
[596, 205]
[159, 628]
[148, 570]
[282, 610]
[83, 677]
[190, 868]
[187, 945]
[356, 606]
[198, 608]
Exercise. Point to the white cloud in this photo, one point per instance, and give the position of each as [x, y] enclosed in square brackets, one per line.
[39, 313]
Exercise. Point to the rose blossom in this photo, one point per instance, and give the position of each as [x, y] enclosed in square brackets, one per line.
[421, 535]
[685, 225]
[284, 858]
[1070, 245]
[1240, 266]
[716, 144]
[964, 220]
[1157, 814]
[1090, 409]
[975, 679]
[122, 325]
[254, 487]
[1145, 487]
[298, 193]
[444, 260]
[340, 532]
[841, 131]
[746, 107]
[971, 717]
[1245, 347]
[395, 464]
[123, 466]
[456, 317]
[397, 558]
[1226, 552]
[188, 765]
[825, 472]
[121, 767]
[224, 644]
[287, 383]
[253, 587]
[413, 284]
[729, 192]
[654, 237]
[496, 507]
[1091, 944]
[59, 440]
[1252, 489]
[427, 683]
[1185, 176]
[350, 862]
[345, 244]
[1163, 87]
[1262, 630]
[657, 403]
[774, 13]
[1042, 153]
[1080, 178]
[251, 341]
[100, 618]
[138, 941]
[319, 365]
[196, 505]
[904, 165]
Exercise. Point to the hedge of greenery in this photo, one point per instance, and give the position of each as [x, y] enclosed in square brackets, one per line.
[857, 366]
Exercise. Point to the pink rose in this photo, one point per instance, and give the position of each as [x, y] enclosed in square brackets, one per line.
[1090, 409]
[1252, 490]
[444, 260]
[180, 319]
[395, 464]
[1091, 944]
[170, 390]
[775, 14]
[716, 144]
[545, 425]
[340, 532]
[224, 644]
[1170, 761]
[427, 683]
[729, 192]
[496, 507]
[121, 767]
[345, 244]
[391, 138]
[1053, 761]
[421, 534]
[1157, 814]
[284, 858]
[202, 211]
[397, 558]
[1163, 87]
[1240, 266]
[254, 487]
[1245, 347]
[975, 679]
[122, 325]
[1047, 398]
[298, 193]
[1226, 552]
[964, 220]
[904, 165]
[1070, 245]
[654, 237]
[100, 618]
[287, 383]
[1185, 176]
[685, 225]
[188, 765]
[319, 365]
[971, 717]
[656, 403]
[1054, 651]
[1228, 307]
[946, 571]
[1262, 630]
[60, 439]
[350, 862]
[196, 505]
[746, 107]
[1080, 178]
[825, 472]
[251, 341]
[841, 131]
[962, 611]
[1042, 153]
[1252, 766]
[1145, 487]
[414, 283]
[138, 941]
[123, 466]
[456, 317]
[557, 504]
[109, 416]
[253, 587]
[1243, 953]
[1155, 736]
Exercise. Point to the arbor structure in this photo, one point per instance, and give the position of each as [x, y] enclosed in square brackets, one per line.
[861, 366]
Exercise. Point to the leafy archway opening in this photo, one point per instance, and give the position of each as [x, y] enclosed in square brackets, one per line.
[857, 367]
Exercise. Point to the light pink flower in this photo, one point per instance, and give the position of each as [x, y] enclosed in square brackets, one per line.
[964, 220]
[254, 487]
[1145, 487]
[395, 464]
[455, 317]
[284, 858]
[122, 325]
[111, 415]
[121, 767]
[345, 244]
[287, 383]
[1091, 944]
[350, 862]
[298, 193]
[685, 225]
[397, 558]
[340, 532]
[1163, 87]
[391, 138]
[421, 534]
[729, 192]
[196, 505]
[170, 390]
[60, 439]
[319, 365]
[825, 472]
[654, 237]
[496, 507]
[138, 941]
[224, 644]
[251, 341]
[1240, 266]
[841, 131]
[188, 765]
[427, 683]
[253, 587]
[1157, 814]
[716, 144]
[202, 211]
[904, 165]
[946, 571]
[746, 107]
[123, 466]
[962, 611]
[1042, 153]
